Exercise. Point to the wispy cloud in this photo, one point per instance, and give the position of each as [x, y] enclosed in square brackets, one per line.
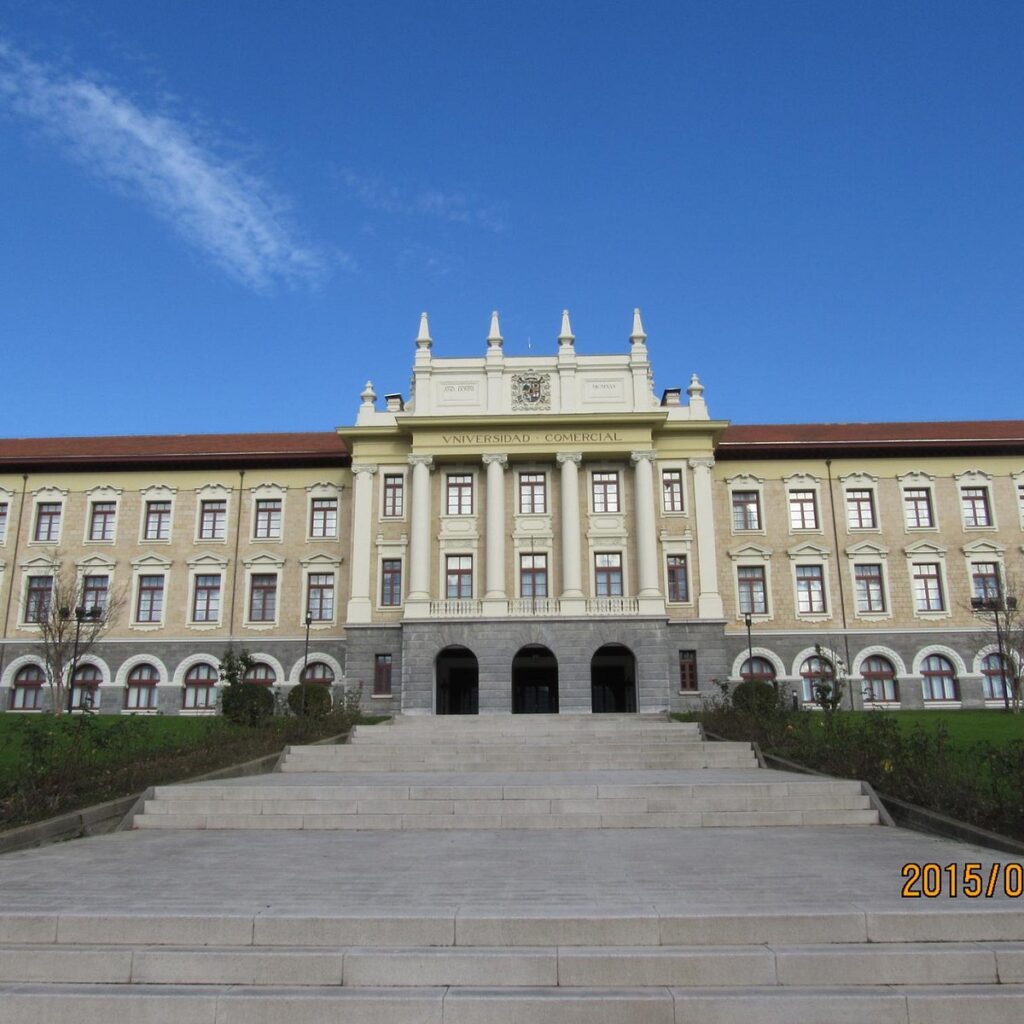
[230, 215]
[456, 207]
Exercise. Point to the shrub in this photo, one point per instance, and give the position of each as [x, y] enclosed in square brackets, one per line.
[310, 700]
[755, 696]
[247, 703]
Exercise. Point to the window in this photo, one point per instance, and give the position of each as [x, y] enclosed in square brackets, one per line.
[37, 598]
[323, 517]
[867, 580]
[382, 675]
[3, 521]
[860, 510]
[150, 604]
[533, 575]
[394, 495]
[141, 695]
[460, 494]
[318, 672]
[101, 520]
[206, 601]
[928, 587]
[816, 673]
[759, 670]
[391, 582]
[260, 674]
[320, 597]
[753, 594]
[678, 586]
[879, 679]
[85, 687]
[1020, 507]
[985, 581]
[810, 590]
[27, 694]
[158, 520]
[200, 688]
[213, 517]
[687, 670]
[263, 597]
[917, 504]
[746, 510]
[995, 677]
[533, 497]
[608, 574]
[975, 506]
[460, 576]
[672, 490]
[938, 679]
[803, 510]
[48, 521]
[605, 492]
[268, 518]
[95, 592]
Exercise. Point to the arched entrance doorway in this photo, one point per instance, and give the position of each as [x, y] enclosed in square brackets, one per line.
[534, 681]
[458, 682]
[613, 680]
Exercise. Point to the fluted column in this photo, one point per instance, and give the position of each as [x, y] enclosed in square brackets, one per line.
[651, 599]
[709, 601]
[495, 540]
[360, 607]
[417, 603]
[572, 578]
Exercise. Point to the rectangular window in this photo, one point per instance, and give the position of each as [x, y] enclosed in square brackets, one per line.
[263, 597]
[48, 521]
[605, 488]
[459, 571]
[391, 582]
[746, 510]
[1020, 505]
[95, 592]
[687, 670]
[394, 495]
[158, 520]
[140, 697]
[678, 587]
[672, 490]
[917, 504]
[985, 581]
[533, 575]
[213, 516]
[975, 505]
[3, 521]
[810, 589]
[268, 518]
[860, 510]
[870, 591]
[608, 574]
[150, 605]
[533, 497]
[382, 675]
[323, 517]
[803, 510]
[753, 594]
[460, 494]
[101, 520]
[206, 600]
[320, 599]
[928, 587]
[37, 598]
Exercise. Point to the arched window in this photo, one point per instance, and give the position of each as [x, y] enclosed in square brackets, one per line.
[816, 671]
[996, 675]
[85, 687]
[200, 688]
[759, 670]
[938, 679]
[879, 679]
[141, 694]
[27, 694]
[318, 672]
[261, 674]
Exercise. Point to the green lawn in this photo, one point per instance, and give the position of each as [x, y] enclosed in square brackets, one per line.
[964, 727]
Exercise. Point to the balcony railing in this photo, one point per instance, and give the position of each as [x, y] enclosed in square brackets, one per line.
[613, 606]
[523, 607]
[458, 608]
[534, 606]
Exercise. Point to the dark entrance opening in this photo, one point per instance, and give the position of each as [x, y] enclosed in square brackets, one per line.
[458, 682]
[613, 680]
[534, 682]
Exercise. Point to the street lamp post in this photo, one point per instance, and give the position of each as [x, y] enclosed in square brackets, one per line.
[747, 620]
[305, 653]
[81, 615]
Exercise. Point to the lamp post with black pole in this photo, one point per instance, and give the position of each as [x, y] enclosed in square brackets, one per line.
[747, 620]
[305, 653]
[81, 615]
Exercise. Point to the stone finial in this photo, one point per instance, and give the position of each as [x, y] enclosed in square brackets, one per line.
[638, 336]
[696, 389]
[368, 395]
[494, 338]
[566, 338]
[423, 339]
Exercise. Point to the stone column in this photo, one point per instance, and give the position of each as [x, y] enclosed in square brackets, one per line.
[360, 607]
[495, 597]
[651, 599]
[572, 600]
[709, 602]
[417, 602]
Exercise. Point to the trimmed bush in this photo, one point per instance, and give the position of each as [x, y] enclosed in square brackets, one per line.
[310, 700]
[755, 696]
[247, 703]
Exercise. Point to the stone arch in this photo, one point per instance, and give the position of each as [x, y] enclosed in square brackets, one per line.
[945, 652]
[190, 662]
[295, 676]
[880, 651]
[613, 679]
[456, 681]
[758, 652]
[121, 678]
[534, 680]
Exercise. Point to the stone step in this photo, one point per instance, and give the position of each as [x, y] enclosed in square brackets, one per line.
[307, 766]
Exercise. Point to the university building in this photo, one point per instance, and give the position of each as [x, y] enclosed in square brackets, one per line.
[521, 534]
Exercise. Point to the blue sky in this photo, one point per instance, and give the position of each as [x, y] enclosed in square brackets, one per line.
[226, 216]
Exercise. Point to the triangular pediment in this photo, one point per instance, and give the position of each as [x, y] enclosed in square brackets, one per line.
[148, 560]
[208, 558]
[925, 547]
[321, 558]
[984, 547]
[265, 558]
[96, 562]
[867, 549]
[750, 550]
[808, 550]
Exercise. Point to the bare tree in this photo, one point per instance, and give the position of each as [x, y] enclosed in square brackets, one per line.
[1003, 609]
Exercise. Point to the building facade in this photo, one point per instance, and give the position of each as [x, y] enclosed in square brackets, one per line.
[524, 534]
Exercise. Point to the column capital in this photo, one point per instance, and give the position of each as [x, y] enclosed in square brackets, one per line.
[368, 468]
[490, 457]
[707, 463]
[422, 460]
[563, 457]
[647, 455]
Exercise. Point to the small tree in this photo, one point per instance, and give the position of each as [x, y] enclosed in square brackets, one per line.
[828, 690]
[1004, 612]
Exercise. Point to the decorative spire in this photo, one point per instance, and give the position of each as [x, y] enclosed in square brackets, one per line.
[423, 339]
[638, 336]
[368, 395]
[494, 338]
[566, 338]
[696, 389]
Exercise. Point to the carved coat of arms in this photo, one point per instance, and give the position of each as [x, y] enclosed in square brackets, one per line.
[531, 391]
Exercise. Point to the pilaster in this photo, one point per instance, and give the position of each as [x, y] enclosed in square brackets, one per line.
[572, 599]
[360, 607]
[709, 601]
